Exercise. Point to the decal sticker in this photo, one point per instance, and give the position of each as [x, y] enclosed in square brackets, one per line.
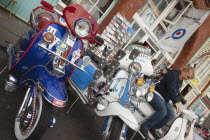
[62, 21]
[75, 55]
[52, 30]
[61, 47]
[178, 34]
[121, 91]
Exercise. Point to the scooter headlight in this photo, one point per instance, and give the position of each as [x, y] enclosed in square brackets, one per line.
[82, 28]
[135, 67]
[140, 91]
[102, 104]
[149, 96]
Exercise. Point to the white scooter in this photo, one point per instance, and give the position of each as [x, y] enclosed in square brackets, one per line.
[127, 105]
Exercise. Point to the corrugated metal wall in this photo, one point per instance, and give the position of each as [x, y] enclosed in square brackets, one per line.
[23, 8]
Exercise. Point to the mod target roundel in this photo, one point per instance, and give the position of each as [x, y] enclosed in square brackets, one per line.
[178, 34]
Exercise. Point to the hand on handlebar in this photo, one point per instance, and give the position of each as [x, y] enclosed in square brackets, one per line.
[178, 108]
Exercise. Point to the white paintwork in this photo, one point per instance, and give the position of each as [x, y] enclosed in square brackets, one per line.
[175, 130]
[115, 109]
[190, 135]
[147, 68]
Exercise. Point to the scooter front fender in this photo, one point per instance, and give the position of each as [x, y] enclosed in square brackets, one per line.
[116, 109]
[53, 89]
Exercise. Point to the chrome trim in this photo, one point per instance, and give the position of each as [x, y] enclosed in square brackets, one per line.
[3, 70]
[26, 96]
[78, 91]
[51, 102]
[43, 47]
[38, 66]
[77, 21]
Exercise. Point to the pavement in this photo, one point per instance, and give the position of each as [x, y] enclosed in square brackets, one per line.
[80, 124]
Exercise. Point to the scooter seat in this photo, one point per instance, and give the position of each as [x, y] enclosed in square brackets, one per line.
[83, 79]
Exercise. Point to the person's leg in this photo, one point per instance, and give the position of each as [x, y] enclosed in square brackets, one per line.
[159, 106]
[167, 118]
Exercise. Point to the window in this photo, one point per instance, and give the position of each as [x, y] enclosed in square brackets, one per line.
[97, 8]
[159, 31]
[177, 11]
[151, 11]
[200, 62]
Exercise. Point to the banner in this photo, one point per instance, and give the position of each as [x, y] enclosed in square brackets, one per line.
[175, 39]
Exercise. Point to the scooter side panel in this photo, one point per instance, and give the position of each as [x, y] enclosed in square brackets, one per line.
[175, 130]
[34, 55]
[120, 86]
[144, 112]
[83, 79]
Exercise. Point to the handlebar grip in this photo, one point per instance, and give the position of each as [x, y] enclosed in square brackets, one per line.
[47, 5]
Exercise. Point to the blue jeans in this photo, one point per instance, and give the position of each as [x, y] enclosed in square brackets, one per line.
[164, 113]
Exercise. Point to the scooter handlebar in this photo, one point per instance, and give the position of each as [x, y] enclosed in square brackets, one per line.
[47, 5]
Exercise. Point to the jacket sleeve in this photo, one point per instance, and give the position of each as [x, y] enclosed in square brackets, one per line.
[172, 87]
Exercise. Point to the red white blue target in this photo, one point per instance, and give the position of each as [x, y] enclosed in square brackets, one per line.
[178, 34]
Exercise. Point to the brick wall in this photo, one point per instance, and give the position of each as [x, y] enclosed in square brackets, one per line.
[193, 44]
[125, 7]
[197, 40]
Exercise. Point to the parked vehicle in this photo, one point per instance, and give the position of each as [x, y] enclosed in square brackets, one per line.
[99, 72]
[127, 106]
[42, 61]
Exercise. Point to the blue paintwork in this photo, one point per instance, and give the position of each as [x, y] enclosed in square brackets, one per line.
[124, 97]
[32, 67]
[105, 124]
[83, 79]
[126, 130]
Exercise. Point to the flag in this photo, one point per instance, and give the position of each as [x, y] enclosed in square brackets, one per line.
[175, 39]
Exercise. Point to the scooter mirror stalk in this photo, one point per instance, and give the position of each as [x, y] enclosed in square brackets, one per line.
[47, 5]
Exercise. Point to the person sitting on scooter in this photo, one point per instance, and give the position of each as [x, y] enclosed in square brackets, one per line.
[168, 89]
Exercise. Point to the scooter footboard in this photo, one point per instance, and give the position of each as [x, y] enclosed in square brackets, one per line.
[115, 109]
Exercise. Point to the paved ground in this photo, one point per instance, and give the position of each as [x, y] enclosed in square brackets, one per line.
[80, 124]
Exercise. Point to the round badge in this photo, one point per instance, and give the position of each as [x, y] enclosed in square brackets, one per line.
[86, 60]
[178, 34]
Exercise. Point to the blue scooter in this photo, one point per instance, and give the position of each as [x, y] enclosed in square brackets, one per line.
[42, 61]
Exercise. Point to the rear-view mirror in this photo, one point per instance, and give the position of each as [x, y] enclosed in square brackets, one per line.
[120, 54]
[134, 53]
[107, 50]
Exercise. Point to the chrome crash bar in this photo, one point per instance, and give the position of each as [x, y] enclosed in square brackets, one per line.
[45, 48]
